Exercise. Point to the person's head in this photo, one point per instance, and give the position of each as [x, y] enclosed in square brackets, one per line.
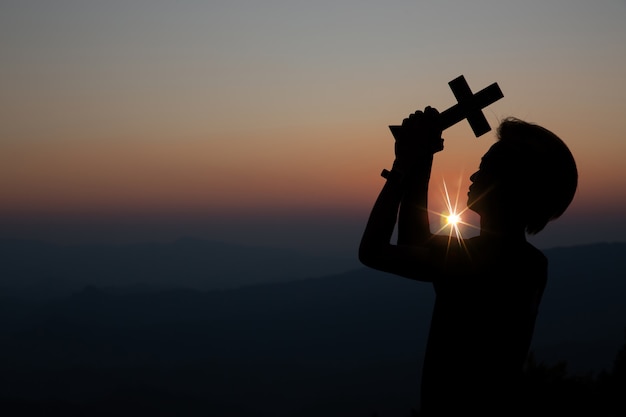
[529, 173]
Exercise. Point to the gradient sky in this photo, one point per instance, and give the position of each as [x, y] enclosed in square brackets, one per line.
[267, 122]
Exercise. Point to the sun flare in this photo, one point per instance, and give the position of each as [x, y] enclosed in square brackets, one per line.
[452, 218]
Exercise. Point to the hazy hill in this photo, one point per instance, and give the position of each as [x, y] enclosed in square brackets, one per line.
[345, 344]
[583, 314]
[44, 269]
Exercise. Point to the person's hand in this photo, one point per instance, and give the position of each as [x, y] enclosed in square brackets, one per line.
[419, 139]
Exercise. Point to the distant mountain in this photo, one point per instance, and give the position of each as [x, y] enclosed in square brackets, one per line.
[341, 345]
[43, 269]
[583, 313]
[281, 350]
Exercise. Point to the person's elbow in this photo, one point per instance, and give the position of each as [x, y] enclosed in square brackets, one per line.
[372, 256]
[413, 262]
[366, 254]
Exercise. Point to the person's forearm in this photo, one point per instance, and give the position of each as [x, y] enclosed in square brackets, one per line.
[413, 222]
[382, 219]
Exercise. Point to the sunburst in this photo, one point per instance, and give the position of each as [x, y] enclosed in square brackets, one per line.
[452, 218]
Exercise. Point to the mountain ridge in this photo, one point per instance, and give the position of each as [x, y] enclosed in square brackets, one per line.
[349, 340]
[30, 265]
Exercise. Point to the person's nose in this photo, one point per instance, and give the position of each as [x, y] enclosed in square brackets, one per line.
[474, 176]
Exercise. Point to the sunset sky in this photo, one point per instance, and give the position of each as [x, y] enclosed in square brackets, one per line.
[267, 122]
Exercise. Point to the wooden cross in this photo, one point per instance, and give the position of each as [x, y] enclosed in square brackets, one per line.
[469, 107]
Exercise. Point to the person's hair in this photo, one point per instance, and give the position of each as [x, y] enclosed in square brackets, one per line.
[546, 168]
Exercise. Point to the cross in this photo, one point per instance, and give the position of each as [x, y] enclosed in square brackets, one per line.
[469, 107]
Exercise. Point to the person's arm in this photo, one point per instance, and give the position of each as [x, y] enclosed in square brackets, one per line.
[413, 222]
[404, 198]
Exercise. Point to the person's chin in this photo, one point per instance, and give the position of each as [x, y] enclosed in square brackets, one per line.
[471, 205]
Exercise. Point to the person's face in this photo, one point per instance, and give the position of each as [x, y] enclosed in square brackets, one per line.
[485, 190]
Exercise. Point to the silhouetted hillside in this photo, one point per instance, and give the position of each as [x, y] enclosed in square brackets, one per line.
[276, 347]
[349, 344]
[584, 299]
[42, 269]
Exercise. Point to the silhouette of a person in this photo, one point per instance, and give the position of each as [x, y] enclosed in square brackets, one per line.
[487, 288]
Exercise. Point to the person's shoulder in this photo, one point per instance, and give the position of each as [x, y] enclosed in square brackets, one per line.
[449, 247]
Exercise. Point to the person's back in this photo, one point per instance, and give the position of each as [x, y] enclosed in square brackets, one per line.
[482, 325]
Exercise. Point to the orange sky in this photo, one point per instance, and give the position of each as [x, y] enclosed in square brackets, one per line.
[235, 107]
